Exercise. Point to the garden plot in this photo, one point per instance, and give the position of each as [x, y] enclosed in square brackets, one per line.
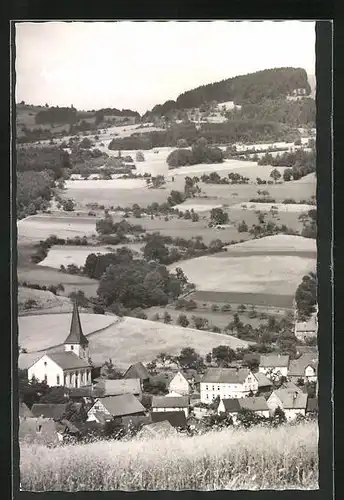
[69, 254]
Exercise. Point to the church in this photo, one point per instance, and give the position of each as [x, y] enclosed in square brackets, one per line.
[70, 368]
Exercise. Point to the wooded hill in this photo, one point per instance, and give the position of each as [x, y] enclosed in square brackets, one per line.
[251, 88]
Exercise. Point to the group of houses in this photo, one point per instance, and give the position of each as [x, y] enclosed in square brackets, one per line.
[190, 395]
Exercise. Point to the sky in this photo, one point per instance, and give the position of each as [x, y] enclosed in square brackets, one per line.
[136, 65]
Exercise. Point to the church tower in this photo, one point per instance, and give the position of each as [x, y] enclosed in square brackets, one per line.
[76, 341]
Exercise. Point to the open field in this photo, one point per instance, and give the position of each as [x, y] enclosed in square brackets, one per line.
[38, 333]
[40, 227]
[124, 340]
[266, 301]
[233, 459]
[278, 274]
[40, 275]
[44, 300]
[70, 254]
[279, 242]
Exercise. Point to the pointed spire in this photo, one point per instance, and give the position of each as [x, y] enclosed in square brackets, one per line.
[76, 335]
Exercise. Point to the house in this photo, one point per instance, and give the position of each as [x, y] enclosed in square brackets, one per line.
[24, 411]
[264, 383]
[70, 368]
[115, 407]
[293, 403]
[157, 429]
[175, 403]
[290, 386]
[227, 383]
[306, 329]
[305, 368]
[137, 371]
[258, 405]
[274, 364]
[49, 411]
[176, 418]
[116, 387]
[41, 431]
[180, 385]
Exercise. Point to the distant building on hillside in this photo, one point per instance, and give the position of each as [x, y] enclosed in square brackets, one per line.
[70, 368]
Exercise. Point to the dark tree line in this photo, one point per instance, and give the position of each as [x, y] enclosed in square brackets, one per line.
[250, 88]
[306, 296]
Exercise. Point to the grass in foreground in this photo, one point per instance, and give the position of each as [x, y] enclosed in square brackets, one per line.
[259, 458]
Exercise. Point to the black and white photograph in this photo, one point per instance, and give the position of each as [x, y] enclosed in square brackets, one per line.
[166, 220]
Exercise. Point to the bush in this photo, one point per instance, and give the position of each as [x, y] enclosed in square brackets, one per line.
[182, 320]
[242, 227]
[226, 308]
[140, 156]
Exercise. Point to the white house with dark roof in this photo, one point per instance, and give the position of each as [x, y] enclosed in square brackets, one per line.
[292, 402]
[305, 367]
[70, 368]
[111, 407]
[227, 383]
[180, 385]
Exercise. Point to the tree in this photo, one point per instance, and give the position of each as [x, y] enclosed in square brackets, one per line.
[275, 174]
[183, 321]
[248, 418]
[109, 371]
[181, 276]
[155, 249]
[182, 143]
[175, 198]
[199, 322]
[68, 205]
[223, 355]
[218, 216]
[85, 143]
[167, 317]
[158, 181]
[287, 174]
[242, 227]
[190, 359]
[140, 156]
[278, 417]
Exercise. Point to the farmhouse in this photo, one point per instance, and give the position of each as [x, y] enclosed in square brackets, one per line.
[232, 406]
[70, 368]
[306, 329]
[172, 403]
[180, 385]
[137, 371]
[264, 383]
[293, 403]
[274, 364]
[305, 368]
[111, 407]
[227, 383]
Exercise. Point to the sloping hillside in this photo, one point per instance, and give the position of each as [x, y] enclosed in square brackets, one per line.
[124, 340]
[43, 300]
[250, 88]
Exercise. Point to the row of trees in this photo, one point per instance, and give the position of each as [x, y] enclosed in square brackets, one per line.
[199, 153]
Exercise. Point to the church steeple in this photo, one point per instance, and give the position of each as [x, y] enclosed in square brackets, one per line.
[76, 340]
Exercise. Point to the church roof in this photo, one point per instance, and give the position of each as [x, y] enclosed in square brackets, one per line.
[68, 360]
[76, 335]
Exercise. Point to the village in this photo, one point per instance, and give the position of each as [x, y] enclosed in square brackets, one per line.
[165, 399]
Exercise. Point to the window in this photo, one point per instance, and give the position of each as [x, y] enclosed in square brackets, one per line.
[39, 428]
[72, 348]
[57, 379]
[213, 387]
[207, 396]
[218, 387]
[65, 380]
[45, 363]
[206, 388]
[70, 377]
[45, 378]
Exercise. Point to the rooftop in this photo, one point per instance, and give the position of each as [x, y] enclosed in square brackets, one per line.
[138, 370]
[119, 386]
[226, 375]
[175, 418]
[298, 366]
[274, 360]
[170, 402]
[263, 380]
[124, 404]
[68, 360]
[291, 399]
[76, 335]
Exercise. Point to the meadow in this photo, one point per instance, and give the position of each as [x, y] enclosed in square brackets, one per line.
[233, 459]
[125, 340]
[44, 300]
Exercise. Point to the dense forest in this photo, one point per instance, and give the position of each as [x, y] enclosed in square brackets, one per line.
[44, 158]
[251, 88]
[56, 115]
